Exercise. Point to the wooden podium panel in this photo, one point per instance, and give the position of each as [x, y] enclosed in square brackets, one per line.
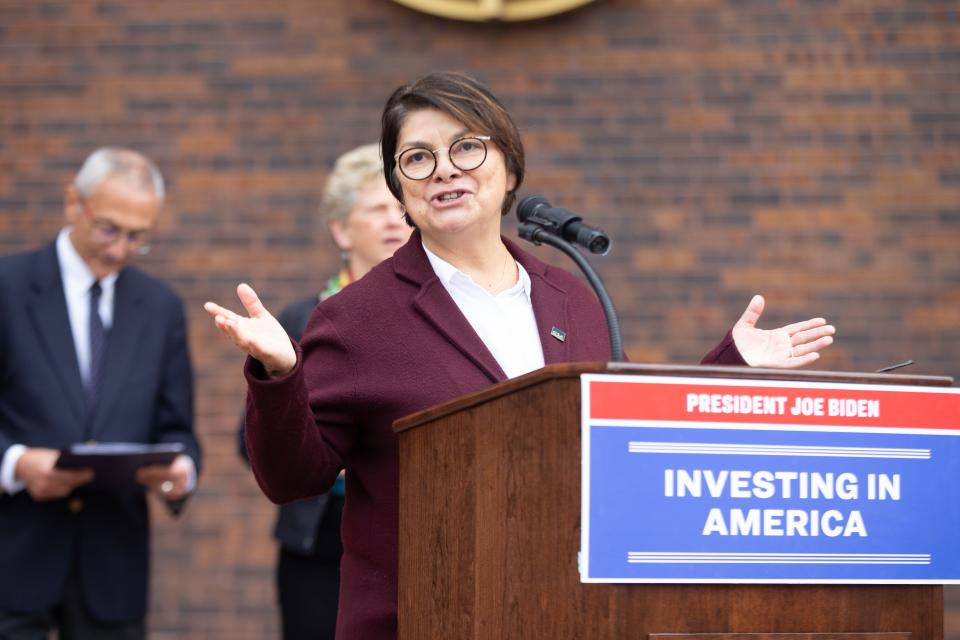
[490, 532]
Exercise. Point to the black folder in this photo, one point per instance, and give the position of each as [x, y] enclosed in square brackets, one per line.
[115, 463]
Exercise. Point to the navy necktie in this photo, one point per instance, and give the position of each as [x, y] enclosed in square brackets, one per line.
[98, 342]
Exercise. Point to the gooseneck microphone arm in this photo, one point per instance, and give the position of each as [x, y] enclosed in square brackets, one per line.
[538, 235]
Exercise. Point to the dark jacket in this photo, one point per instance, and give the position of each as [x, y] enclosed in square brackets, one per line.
[389, 345]
[146, 395]
[298, 521]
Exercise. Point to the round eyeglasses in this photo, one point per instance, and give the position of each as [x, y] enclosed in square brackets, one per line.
[419, 163]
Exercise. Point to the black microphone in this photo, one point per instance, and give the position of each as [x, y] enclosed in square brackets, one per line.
[563, 223]
[894, 367]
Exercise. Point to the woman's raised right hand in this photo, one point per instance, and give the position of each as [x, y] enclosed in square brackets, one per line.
[259, 334]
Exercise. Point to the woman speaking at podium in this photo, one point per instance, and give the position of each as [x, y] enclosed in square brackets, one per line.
[458, 308]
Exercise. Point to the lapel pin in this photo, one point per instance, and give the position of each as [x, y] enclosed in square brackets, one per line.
[559, 334]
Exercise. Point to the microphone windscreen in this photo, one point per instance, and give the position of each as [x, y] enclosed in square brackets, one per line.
[529, 205]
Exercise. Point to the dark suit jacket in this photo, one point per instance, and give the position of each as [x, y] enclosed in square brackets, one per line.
[146, 396]
[297, 522]
[388, 345]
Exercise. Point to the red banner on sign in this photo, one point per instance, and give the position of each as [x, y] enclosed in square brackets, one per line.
[900, 408]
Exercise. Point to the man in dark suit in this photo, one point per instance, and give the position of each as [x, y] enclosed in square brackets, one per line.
[90, 350]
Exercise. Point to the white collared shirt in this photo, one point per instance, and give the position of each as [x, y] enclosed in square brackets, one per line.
[504, 322]
[77, 279]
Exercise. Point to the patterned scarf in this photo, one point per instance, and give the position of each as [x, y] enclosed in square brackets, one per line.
[336, 283]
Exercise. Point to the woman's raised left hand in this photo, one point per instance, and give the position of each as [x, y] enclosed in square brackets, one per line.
[794, 345]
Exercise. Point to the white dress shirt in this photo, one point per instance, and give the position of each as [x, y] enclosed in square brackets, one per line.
[77, 280]
[505, 322]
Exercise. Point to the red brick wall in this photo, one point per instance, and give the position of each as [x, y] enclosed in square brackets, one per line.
[809, 150]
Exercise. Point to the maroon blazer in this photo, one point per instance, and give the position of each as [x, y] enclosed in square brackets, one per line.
[389, 345]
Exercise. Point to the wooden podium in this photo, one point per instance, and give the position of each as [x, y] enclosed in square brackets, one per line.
[490, 531]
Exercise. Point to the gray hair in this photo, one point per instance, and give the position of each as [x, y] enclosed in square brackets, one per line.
[106, 162]
[350, 172]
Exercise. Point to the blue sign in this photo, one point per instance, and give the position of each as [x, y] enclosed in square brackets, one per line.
[681, 501]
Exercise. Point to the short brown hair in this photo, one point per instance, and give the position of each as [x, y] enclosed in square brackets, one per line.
[465, 99]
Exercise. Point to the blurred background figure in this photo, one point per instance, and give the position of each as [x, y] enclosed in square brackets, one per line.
[90, 349]
[366, 223]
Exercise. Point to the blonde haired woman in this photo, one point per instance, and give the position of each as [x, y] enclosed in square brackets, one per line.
[366, 223]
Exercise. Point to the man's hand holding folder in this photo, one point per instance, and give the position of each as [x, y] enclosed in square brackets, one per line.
[161, 467]
[44, 479]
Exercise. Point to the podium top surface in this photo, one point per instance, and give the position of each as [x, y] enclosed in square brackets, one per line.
[575, 369]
